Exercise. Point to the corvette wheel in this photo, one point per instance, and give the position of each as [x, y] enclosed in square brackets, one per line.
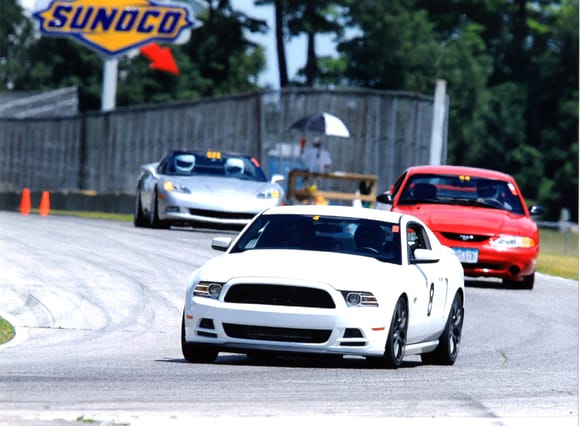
[139, 218]
[195, 353]
[154, 221]
[450, 341]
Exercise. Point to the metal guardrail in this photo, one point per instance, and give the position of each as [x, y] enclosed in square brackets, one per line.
[567, 228]
[564, 226]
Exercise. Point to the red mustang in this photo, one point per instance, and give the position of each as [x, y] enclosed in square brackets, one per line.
[479, 213]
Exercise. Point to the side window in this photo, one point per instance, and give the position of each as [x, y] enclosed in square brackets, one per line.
[163, 168]
[398, 183]
[416, 238]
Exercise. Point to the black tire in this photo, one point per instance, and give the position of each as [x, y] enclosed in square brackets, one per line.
[139, 219]
[450, 340]
[195, 353]
[527, 283]
[397, 338]
[154, 221]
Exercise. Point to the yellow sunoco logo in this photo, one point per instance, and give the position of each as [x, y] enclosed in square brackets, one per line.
[113, 27]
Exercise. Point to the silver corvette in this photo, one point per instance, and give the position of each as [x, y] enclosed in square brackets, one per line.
[188, 188]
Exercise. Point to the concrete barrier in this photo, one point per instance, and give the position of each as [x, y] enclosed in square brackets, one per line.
[89, 201]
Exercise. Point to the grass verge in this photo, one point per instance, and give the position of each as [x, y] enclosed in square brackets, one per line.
[6, 331]
[558, 265]
[92, 215]
[558, 254]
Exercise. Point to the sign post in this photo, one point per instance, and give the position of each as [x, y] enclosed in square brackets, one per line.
[438, 123]
[109, 92]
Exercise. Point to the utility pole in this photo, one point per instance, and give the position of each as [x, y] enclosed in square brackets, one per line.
[438, 122]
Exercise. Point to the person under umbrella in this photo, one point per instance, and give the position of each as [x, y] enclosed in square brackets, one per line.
[315, 158]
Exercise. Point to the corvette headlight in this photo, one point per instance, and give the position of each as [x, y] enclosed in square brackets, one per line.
[512, 241]
[174, 187]
[208, 289]
[360, 298]
[269, 193]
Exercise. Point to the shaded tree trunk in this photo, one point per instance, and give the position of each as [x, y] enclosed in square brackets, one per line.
[280, 49]
[519, 65]
[311, 68]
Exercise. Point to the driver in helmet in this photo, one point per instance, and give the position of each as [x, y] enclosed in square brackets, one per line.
[184, 163]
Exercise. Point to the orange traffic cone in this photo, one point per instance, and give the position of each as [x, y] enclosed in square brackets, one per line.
[25, 201]
[44, 208]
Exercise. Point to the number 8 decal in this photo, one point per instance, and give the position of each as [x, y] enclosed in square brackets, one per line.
[431, 293]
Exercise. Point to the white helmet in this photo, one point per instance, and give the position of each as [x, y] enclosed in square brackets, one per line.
[234, 166]
[184, 163]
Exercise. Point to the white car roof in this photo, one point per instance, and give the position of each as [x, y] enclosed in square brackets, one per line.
[329, 210]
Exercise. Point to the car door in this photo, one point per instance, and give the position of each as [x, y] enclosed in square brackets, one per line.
[431, 292]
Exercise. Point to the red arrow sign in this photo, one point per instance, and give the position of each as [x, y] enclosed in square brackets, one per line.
[160, 57]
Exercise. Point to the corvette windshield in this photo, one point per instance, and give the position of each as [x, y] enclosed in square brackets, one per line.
[362, 237]
[212, 164]
[461, 190]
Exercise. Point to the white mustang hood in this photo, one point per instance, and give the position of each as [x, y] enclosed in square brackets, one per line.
[308, 266]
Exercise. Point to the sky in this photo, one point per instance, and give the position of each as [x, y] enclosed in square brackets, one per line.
[295, 50]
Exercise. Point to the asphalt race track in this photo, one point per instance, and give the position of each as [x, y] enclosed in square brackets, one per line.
[97, 305]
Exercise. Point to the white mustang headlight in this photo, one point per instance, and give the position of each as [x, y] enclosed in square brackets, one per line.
[360, 298]
[208, 289]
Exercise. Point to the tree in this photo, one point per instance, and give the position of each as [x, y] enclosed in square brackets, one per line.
[313, 17]
[53, 63]
[466, 66]
[309, 17]
[396, 48]
[552, 115]
[279, 31]
[16, 32]
[528, 124]
[219, 53]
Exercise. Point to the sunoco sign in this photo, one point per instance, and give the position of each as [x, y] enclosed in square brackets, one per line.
[113, 27]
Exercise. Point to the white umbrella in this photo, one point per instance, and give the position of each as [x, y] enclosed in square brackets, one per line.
[324, 123]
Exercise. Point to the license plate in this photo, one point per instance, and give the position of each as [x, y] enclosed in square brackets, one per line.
[466, 255]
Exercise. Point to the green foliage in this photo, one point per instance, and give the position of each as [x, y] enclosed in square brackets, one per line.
[512, 79]
[312, 18]
[6, 331]
[222, 60]
[466, 66]
[331, 72]
[56, 62]
[15, 36]
[395, 49]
